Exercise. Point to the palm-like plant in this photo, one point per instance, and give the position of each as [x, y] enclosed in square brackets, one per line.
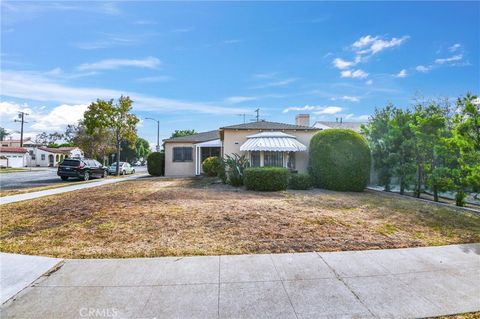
[235, 164]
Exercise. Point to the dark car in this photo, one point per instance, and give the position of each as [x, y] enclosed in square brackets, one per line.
[81, 168]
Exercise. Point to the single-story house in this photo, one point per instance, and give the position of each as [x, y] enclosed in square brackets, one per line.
[13, 156]
[10, 142]
[263, 143]
[51, 157]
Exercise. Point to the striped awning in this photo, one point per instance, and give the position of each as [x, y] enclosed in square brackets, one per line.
[272, 141]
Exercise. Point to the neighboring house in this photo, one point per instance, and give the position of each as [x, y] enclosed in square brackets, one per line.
[339, 123]
[27, 142]
[13, 156]
[51, 157]
[263, 143]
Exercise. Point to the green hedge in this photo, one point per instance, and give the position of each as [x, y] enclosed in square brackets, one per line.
[212, 165]
[156, 164]
[300, 181]
[266, 178]
[339, 160]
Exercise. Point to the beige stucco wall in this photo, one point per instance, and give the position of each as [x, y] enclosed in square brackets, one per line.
[178, 168]
[233, 139]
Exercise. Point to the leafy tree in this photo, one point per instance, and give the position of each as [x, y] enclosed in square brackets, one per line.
[96, 144]
[142, 148]
[377, 133]
[400, 141]
[3, 133]
[179, 133]
[428, 127]
[103, 116]
[45, 138]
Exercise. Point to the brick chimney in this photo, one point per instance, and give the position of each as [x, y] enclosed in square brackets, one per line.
[302, 119]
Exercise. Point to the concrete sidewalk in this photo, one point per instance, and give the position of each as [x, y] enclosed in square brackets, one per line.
[399, 283]
[60, 190]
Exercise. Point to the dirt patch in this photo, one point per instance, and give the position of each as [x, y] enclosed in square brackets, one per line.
[160, 217]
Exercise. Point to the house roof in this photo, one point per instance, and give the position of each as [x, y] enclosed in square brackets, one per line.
[54, 150]
[195, 138]
[355, 126]
[264, 125]
[18, 150]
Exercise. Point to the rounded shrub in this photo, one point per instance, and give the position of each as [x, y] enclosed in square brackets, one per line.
[266, 178]
[156, 164]
[211, 166]
[339, 160]
[299, 181]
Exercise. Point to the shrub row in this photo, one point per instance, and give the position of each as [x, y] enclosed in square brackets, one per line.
[266, 178]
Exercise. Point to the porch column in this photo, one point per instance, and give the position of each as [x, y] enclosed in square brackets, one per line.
[285, 159]
[197, 160]
[261, 158]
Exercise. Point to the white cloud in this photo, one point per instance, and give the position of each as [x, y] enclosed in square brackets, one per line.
[342, 64]
[56, 119]
[111, 40]
[346, 98]
[10, 110]
[454, 58]
[37, 87]
[111, 64]
[59, 117]
[401, 74]
[372, 45]
[369, 82]
[423, 68]
[318, 109]
[239, 99]
[455, 47]
[277, 83]
[360, 74]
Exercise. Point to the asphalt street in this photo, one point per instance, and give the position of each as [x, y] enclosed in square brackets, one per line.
[40, 177]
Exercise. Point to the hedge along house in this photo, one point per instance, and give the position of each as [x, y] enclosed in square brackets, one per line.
[263, 143]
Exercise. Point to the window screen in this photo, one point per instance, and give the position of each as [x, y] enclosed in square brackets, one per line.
[255, 159]
[182, 154]
[273, 159]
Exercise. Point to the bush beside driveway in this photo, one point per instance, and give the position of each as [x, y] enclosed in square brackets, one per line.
[162, 217]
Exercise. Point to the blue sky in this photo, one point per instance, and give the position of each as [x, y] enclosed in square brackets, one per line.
[198, 65]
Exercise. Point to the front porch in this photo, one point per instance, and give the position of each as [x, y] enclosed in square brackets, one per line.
[204, 150]
[272, 149]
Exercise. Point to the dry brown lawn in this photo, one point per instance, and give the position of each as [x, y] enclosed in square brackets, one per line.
[161, 217]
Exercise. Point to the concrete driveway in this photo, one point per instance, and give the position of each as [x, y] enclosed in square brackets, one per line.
[398, 283]
[44, 176]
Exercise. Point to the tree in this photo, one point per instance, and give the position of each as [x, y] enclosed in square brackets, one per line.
[179, 133]
[95, 144]
[104, 116]
[377, 133]
[49, 139]
[400, 140]
[3, 133]
[428, 126]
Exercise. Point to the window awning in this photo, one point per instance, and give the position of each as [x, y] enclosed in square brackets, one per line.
[272, 141]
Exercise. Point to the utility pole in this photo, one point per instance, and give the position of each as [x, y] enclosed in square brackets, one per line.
[158, 132]
[21, 116]
[258, 114]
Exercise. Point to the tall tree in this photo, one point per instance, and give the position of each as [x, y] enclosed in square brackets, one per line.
[377, 133]
[106, 116]
[400, 138]
[96, 144]
[3, 133]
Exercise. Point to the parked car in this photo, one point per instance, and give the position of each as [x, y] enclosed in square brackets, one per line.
[124, 169]
[81, 168]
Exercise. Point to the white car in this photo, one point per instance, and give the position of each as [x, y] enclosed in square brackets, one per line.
[125, 169]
